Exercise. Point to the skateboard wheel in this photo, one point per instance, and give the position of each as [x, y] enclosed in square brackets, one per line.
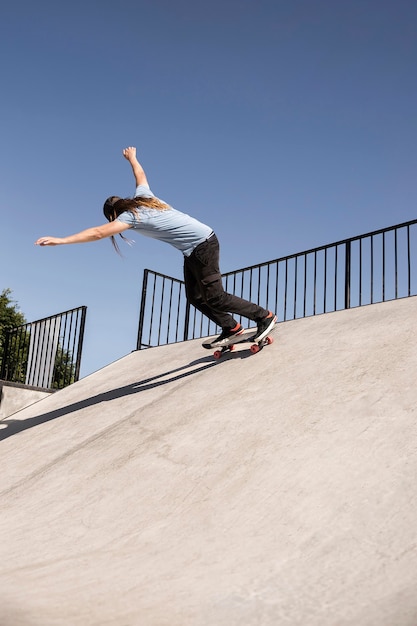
[255, 348]
[269, 340]
[232, 347]
[217, 354]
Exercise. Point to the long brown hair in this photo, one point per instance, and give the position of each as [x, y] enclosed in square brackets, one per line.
[115, 206]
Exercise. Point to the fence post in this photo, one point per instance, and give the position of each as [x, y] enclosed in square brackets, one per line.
[142, 309]
[187, 320]
[347, 274]
[80, 343]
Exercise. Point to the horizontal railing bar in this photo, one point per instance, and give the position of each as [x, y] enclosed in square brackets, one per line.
[321, 248]
[158, 275]
[51, 317]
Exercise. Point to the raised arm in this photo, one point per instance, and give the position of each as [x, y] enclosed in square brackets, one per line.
[138, 172]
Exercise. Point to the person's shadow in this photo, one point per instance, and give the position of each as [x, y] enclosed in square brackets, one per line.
[9, 427]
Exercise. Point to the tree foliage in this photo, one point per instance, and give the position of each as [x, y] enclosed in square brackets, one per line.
[10, 316]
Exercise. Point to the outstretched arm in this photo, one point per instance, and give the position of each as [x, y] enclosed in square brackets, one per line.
[137, 169]
[85, 236]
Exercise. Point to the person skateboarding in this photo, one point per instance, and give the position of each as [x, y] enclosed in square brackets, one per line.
[152, 217]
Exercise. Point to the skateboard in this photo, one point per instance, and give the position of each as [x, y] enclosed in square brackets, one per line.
[228, 345]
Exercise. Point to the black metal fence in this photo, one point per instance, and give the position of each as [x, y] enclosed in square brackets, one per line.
[46, 353]
[370, 268]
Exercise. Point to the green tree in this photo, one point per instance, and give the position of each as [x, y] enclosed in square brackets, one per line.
[10, 317]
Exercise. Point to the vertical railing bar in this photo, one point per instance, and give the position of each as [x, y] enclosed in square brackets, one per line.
[70, 356]
[372, 269]
[186, 320]
[191, 326]
[250, 283]
[152, 310]
[315, 283]
[139, 342]
[70, 334]
[396, 263]
[169, 310]
[39, 351]
[201, 324]
[50, 328]
[259, 286]
[64, 356]
[65, 340]
[80, 342]
[409, 260]
[347, 274]
[161, 308]
[295, 287]
[276, 286]
[268, 272]
[286, 290]
[360, 271]
[177, 325]
[383, 267]
[305, 283]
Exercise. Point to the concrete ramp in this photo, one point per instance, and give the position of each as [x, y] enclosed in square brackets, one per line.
[169, 489]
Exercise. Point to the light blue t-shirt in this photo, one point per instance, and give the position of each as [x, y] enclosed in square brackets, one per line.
[170, 226]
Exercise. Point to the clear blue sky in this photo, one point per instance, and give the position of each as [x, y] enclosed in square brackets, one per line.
[292, 119]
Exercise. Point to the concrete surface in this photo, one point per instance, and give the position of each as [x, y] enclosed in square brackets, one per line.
[169, 489]
[14, 397]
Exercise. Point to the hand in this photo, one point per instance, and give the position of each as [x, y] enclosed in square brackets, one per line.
[48, 241]
[140, 176]
[129, 153]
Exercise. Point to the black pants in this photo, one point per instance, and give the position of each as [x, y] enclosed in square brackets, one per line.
[204, 288]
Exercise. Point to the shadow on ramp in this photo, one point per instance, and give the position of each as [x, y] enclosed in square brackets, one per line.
[10, 427]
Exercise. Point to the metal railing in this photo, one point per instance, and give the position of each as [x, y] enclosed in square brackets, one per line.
[45, 353]
[370, 268]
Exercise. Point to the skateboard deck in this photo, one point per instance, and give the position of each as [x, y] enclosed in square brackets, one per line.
[228, 345]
